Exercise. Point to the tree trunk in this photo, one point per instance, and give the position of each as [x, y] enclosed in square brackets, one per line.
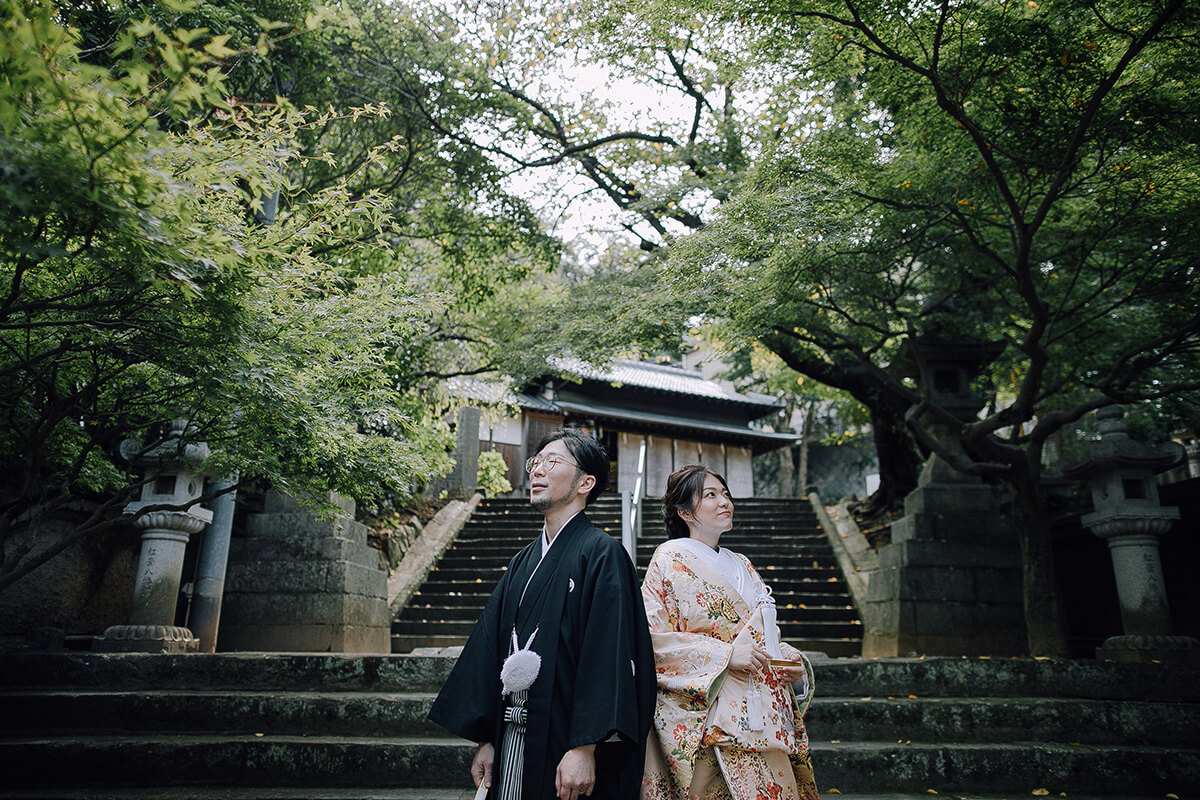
[1045, 622]
[899, 460]
[787, 473]
[802, 456]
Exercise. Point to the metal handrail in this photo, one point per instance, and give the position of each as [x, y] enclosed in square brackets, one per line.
[631, 507]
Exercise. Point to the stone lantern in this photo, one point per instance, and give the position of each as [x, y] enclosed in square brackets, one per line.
[1191, 446]
[165, 535]
[948, 365]
[949, 583]
[1127, 514]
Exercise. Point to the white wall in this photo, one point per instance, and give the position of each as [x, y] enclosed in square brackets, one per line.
[628, 445]
[686, 453]
[664, 456]
[501, 431]
[713, 457]
[660, 462]
[739, 473]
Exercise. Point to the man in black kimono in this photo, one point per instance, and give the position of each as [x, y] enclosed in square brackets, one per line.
[571, 597]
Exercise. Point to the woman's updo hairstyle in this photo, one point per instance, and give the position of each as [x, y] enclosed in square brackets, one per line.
[683, 487]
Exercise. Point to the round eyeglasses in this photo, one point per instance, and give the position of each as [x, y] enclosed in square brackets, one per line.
[547, 463]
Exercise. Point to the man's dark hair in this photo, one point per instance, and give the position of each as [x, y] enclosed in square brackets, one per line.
[683, 488]
[588, 454]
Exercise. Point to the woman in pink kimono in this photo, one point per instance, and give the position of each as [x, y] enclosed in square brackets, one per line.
[727, 725]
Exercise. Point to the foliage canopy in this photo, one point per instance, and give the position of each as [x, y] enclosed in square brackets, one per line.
[141, 285]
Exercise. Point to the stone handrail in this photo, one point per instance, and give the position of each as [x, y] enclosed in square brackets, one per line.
[854, 553]
[426, 549]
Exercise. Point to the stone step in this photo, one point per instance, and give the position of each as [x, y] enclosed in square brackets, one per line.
[247, 759]
[783, 539]
[834, 648]
[790, 629]
[282, 672]
[415, 793]
[762, 553]
[840, 647]
[977, 719]
[945, 725]
[520, 509]
[403, 643]
[783, 577]
[779, 563]
[867, 766]
[764, 526]
[989, 719]
[818, 621]
[498, 552]
[811, 546]
[298, 713]
[223, 792]
[1017, 768]
[441, 610]
[818, 592]
[473, 596]
[774, 575]
[944, 676]
[765, 529]
[949, 676]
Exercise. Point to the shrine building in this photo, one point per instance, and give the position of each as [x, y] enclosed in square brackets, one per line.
[679, 415]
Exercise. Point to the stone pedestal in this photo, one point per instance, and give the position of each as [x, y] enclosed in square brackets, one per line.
[151, 627]
[464, 480]
[300, 583]
[950, 581]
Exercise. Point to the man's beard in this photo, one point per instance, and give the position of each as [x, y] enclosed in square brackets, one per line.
[548, 503]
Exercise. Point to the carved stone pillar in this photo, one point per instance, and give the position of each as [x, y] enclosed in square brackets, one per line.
[151, 627]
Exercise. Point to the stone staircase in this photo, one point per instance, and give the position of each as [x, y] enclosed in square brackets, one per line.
[442, 612]
[782, 538]
[320, 727]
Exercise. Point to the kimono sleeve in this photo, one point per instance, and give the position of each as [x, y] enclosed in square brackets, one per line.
[469, 703]
[804, 686]
[613, 688]
[687, 663]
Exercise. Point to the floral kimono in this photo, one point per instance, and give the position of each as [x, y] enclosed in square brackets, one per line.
[723, 737]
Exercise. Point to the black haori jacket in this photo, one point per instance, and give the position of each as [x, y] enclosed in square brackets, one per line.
[597, 682]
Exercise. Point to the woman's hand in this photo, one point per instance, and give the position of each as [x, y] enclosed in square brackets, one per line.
[748, 659]
[790, 674]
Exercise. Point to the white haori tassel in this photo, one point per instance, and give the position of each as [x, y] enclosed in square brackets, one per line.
[522, 666]
[754, 698]
[766, 604]
[754, 706]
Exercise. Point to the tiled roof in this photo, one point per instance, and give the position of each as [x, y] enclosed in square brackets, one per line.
[663, 377]
[480, 390]
[623, 372]
[535, 403]
[490, 392]
[760, 439]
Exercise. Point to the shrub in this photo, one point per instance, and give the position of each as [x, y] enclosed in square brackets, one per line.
[492, 475]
